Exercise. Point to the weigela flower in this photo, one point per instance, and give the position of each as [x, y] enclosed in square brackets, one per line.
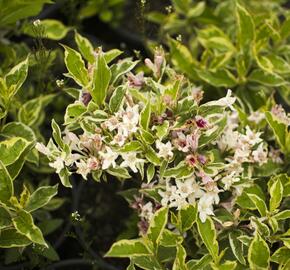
[57, 164]
[40, 147]
[256, 117]
[280, 113]
[147, 211]
[83, 168]
[131, 161]
[205, 207]
[229, 180]
[226, 101]
[108, 158]
[165, 149]
[260, 155]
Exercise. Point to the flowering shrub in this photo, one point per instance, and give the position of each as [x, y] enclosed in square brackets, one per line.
[203, 167]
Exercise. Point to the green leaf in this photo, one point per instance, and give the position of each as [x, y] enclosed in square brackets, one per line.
[24, 224]
[101, 79]
[119, 172]
[207, 233]
[117, 98]
[151, 156]
[259, 254]
[52, 29]
[276, 193]
[76, 67]
[259, 204]
[11, 149]
[199, 264]
[18, 129]
[150, 172]
[64, 177]
[219, 78]
[282, 215]
[157, 225]
[246, 27]
[206, 138]
[111, 55]
[179, 262]
[73, 112]
[56, 134]
[15, 77]
[170, 239]
[237, 246]
[182, 58]
[281, 256]
[245, 202]
[5, 218]
[10, 238]
[128, 248]
[265, 78]
[41, 197]
[280, 131]
[122, 67]
[145, 116]
[85, 47]
[30, 111]
[187, 217]
[162, 130]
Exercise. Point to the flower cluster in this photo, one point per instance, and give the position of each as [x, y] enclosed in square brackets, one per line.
[177, 149]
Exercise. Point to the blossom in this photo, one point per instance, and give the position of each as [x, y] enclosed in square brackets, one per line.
[83, 168]
[109, 158]
[58, 164]
[93, 163]
[205, 208]
[71, 139]
[260, 155]
[256, 117]
[131, 160]
[230, 179]
[280, 113]
[40, 147]
[181, 142]
[147, 211]
[112, 123]
[165, 149]
[226, 101]
[136, 80]
[184, 187]
[251, 137]
[119, 139]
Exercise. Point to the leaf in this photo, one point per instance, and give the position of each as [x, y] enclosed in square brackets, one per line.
[282, 215]
[111, 55]
[246, 27]
[187, 217]
[56, 134]
[52, 29]
[24, 224]
[170, 239]
[85, 47]
[219, 78]
[150, 172]
[157, 225]
[30, 111]
[151, 156]
[6, 185]
[259, 204]
[117, 98]
[179, 262]
[119, 172]
[128, 248]
[11, 149]
[280, 131]
[10, 238]
[245, 202]
[182, 58]
[76, 67]
[206, 138]
[41, 197]
[73, 112]
[259, 254]
[207, 233]
[15, 77]
[122, 67]
[281, 256]
[237, 246]
[5, 219]
[199, 264]
[265, 78]
[276, 193]
[18, 129]
[145, 116]
[101, 79]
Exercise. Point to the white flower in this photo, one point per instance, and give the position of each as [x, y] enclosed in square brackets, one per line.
[58, 164]
[83, 168]
[71, 158]
[165, 149]
[184, 188]
[167, 194]
[251, 137]
[71, 139]
[37, 23]
[181, 142]
[112, 123]
[205, 208]
[230, 179]
[119, 139]
[226, 101]
[131, 115]
[109, 158]
[147, 211]
[260, 155]
[256, 117]
[40, 147]
[130, 160]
